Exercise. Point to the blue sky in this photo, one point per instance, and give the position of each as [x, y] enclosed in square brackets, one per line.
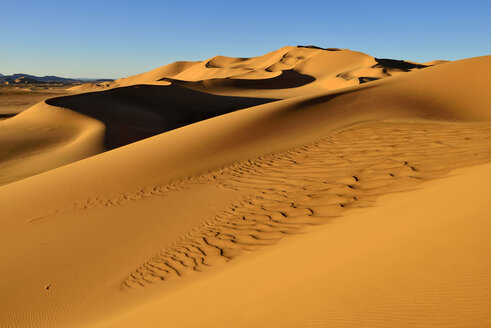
[107, 38]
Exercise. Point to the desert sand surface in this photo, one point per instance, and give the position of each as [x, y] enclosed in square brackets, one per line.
[306, 187]
[15, 99]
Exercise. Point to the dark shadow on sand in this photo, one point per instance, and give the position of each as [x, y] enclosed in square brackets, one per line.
[398, 64]
[286, 80]
[141, 111]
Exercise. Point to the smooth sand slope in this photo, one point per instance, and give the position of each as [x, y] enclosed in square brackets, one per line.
[42, 138]
[270, 215]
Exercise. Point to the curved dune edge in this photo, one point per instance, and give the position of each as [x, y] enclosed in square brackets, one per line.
[417, 259]
[344, 66]
[43, 138]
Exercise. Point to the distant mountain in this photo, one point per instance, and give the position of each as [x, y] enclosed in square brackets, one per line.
[41, 78]
[26, 80]
[44, 79]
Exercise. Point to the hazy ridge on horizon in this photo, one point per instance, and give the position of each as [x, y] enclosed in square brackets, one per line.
[49, 78]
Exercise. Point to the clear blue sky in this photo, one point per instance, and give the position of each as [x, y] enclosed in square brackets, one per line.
[107, 38]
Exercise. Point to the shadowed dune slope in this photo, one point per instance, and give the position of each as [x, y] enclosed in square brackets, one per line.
[137, 112]
[66, 129]
[286, 80]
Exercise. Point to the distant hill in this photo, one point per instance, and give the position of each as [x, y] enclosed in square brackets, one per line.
[27, 78]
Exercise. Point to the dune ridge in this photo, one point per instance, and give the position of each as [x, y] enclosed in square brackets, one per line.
[293, 68]
[298, 147]
[139, 111]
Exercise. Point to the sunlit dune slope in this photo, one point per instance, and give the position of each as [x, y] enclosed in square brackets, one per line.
[284, 73]
[42, 138]
[413, 261]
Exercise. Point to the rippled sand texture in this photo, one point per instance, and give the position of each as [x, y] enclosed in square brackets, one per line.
[311, 185]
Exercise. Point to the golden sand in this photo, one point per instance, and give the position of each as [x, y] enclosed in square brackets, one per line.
[302, 188]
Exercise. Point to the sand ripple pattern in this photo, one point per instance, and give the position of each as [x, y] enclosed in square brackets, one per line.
[310, 185]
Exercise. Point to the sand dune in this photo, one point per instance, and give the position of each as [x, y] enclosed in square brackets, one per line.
[412, 261]
[41, 138]
[303, 188]
[178, 94]
[138, 112]
[299, 69]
